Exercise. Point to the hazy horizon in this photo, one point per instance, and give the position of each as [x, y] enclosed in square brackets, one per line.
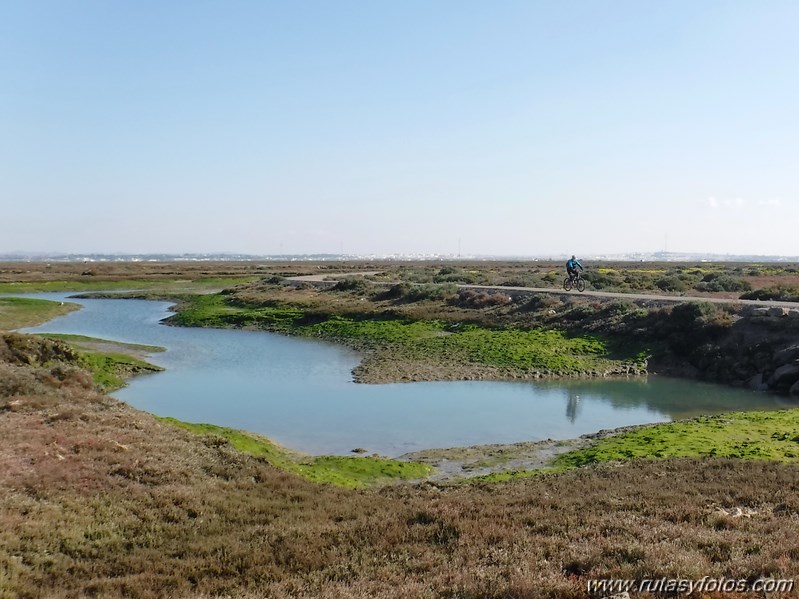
[517, 128]
[675, 257]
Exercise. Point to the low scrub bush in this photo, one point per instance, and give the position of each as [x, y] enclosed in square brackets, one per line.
[603, 280]
[579, 313]
[406, 292]
[395, 292]
[779, 293]
[353, 285]
[671, 283]
[723, 283]
[542, 302]
[688, 326]
[619, 308]
[471, 298]
[522, 281]
[550, 277]
[531, 280]
[449, 274]
[16, 348]
[412, 274]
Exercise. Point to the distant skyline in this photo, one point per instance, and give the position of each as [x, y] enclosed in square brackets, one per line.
[654, 257]
[438, 127]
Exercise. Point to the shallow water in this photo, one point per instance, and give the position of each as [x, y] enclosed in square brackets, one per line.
[300, 392]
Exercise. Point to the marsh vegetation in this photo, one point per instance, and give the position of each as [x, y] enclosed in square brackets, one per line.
[19, 312]
[99, 499]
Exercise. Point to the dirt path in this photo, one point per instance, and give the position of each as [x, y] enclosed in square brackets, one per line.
[642, 296]
[330, 279]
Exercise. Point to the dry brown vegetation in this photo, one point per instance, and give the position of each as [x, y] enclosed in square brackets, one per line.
[29, 272]
[98, 499]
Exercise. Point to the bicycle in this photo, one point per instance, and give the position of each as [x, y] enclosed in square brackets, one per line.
[575, 281]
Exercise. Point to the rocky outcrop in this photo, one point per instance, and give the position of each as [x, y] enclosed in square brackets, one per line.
[775, 312]
[779, 373]
[758, 350]
[756, 383]
[784, 377]
[786, 355]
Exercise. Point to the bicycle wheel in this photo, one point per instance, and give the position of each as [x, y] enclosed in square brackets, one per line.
[580, 284]
[567, 284]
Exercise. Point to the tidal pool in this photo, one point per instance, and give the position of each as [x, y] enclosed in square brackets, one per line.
[300, 392]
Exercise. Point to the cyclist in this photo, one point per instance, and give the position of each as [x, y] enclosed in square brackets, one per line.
[571, 267]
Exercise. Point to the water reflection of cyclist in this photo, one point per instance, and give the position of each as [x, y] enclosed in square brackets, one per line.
[571, 267]
[572, 406]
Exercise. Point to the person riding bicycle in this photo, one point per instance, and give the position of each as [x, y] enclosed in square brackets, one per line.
[571, 267]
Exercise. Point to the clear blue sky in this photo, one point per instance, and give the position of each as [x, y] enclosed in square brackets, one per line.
[319, 126]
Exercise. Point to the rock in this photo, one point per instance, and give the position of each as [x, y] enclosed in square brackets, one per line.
[786, 355]
[795, 389]
[784, 376]
[756, 383]
[793, 313]
[760, 312]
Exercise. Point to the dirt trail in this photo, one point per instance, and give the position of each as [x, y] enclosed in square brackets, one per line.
[330, 279]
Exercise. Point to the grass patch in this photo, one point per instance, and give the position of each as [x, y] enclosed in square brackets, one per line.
[205, 310]
[510, 475]
[19, 312]
[769, 435]
[201, 284]
[217, 310]
[109, 370]
[373, 330]
[342, 471]
[538, 349]
[109, 362]
[547, 351]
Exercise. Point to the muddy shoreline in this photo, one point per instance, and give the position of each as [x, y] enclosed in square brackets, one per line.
[457, 464]
[384, 366]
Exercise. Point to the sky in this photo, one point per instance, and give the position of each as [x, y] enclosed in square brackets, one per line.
[416, 126]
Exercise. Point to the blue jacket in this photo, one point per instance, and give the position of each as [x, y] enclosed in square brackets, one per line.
[573, 263]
